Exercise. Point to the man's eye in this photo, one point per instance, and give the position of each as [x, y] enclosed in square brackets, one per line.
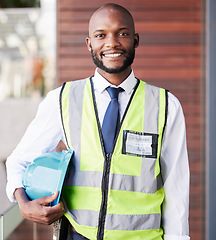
[99, 35]
[123, 34]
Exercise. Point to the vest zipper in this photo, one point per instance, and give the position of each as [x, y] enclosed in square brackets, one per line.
[107, 164]
[104, 189]
[105, 177]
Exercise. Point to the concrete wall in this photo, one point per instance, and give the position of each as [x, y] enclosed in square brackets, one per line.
[15, 116]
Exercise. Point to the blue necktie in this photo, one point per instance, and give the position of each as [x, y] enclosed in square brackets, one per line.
[111, 119]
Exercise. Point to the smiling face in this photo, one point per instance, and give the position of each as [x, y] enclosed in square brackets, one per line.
[112, 40]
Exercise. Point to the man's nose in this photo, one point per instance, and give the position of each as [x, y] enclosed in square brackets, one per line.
[112, 41]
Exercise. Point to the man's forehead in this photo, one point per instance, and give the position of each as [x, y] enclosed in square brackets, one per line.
[118, 17]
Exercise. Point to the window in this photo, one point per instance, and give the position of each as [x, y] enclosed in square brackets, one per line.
[27, 48]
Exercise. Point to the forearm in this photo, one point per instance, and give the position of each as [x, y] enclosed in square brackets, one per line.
[21, 199]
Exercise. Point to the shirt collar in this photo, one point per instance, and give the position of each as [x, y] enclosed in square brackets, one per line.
[100, 83]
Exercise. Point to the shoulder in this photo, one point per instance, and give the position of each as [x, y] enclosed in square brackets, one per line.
[75, 82]
[173, 101]
[53, 95]
[174, 105]
[73, 86]
[51, 101]
[175, 110]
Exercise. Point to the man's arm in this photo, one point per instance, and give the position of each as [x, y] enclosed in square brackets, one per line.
[175, 173]
[38, 210]
[42, 135]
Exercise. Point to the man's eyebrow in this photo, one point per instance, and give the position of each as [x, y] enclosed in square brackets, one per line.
[98, 30]
[124, 28]
[120, 29]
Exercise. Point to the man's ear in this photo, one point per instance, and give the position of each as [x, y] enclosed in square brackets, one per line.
[88, 43]
[136, 40]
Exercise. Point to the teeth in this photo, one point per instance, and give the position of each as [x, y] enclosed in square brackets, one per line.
[113, 55]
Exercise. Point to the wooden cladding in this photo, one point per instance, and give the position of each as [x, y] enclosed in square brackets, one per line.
[169, 56]
[169, 38]
[131, 5]
[141, 27]
[154, 14]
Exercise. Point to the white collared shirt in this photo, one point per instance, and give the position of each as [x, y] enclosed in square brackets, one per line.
[103, 98]
[45, 132]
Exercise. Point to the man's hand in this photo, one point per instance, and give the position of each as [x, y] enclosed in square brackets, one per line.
[38, 210]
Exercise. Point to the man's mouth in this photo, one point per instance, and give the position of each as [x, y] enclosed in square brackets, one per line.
[112, 54]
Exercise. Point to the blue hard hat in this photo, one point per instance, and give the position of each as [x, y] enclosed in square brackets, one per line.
[46, 175]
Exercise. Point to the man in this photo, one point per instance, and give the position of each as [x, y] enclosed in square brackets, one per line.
[135, 185]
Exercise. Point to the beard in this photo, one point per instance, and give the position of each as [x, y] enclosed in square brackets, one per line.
[127, 62]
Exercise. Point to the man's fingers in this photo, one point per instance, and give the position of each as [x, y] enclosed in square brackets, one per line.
[49, 214]
[56, 209]
[54, 212]
[47, 200]
[39, 210]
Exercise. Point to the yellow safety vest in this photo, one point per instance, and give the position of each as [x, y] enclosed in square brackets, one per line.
[120, 195]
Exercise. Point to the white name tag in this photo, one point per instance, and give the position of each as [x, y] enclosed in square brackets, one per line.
[139, 144]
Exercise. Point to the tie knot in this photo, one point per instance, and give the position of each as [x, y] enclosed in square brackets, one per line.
[114, 92]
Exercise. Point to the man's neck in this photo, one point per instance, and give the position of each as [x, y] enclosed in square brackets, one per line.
[115, 79]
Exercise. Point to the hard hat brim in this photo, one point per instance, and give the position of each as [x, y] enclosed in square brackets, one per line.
[46, 175]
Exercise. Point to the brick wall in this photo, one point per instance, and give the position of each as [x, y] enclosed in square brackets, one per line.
[169, 56]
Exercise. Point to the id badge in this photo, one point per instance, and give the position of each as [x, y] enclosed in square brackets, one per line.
[140, 144]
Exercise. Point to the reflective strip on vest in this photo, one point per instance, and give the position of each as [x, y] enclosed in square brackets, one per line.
[135, 185]
[120, 222]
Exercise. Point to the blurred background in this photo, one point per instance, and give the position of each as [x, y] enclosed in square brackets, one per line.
[42, 45]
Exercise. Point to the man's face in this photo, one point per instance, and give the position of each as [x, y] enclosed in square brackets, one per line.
[129, 57]
[112, 40]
